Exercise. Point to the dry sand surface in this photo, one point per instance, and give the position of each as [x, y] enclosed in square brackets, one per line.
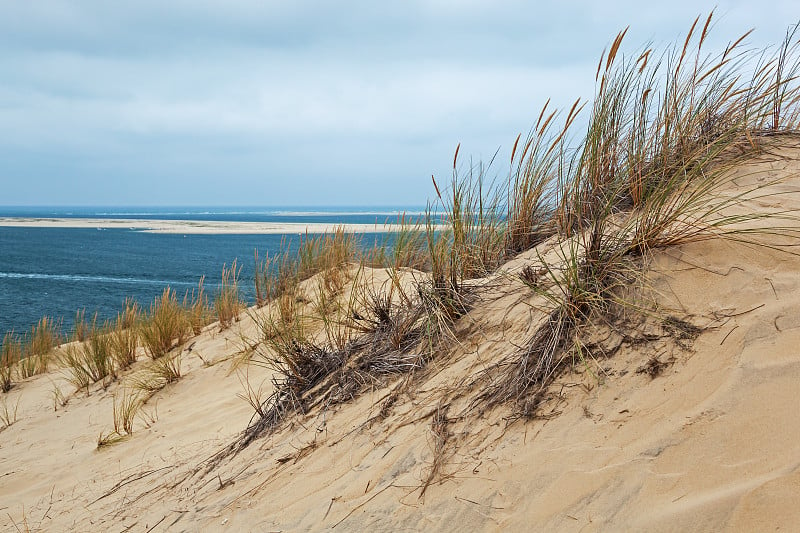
[711, 443]
[193, 226]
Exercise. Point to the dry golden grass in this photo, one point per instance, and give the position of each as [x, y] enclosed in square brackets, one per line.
[196, 305]
[165, 326]
[9, 358]
[227, 302]
[90, 361]
[37, 346]
[123, 335]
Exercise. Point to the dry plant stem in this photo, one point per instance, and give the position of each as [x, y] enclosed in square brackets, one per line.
[8, 415]
[440, 434]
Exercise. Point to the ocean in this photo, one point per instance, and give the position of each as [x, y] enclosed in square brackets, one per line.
[58, 271]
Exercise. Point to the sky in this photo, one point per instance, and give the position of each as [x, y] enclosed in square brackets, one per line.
[268, 103]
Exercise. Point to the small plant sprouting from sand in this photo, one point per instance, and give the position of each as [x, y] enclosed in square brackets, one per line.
[58, 397]
[136, 392]
[227, 302]
[126, 407]
[167, 368]
[8, 414]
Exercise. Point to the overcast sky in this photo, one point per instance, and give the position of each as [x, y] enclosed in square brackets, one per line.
[295, 102]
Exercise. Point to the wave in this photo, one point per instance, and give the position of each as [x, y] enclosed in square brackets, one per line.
[94, 279]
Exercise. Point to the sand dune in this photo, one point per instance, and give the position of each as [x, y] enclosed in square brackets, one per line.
[710, 443]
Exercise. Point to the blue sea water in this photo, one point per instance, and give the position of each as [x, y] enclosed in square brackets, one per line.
[57, 271]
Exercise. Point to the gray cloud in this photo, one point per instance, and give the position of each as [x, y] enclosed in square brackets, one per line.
[295, 102]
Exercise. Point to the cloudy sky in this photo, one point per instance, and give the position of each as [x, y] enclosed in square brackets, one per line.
[194, 102]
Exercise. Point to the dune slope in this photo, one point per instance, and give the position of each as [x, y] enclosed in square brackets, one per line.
[670, 435]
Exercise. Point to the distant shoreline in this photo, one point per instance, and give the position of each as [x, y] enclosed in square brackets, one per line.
[199, 227]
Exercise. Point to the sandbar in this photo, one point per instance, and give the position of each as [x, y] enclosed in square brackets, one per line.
[208, 227]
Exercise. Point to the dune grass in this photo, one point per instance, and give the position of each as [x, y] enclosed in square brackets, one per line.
[197, 308]
[80, 327]
[227, 302]
[106, 350]
[90, 361]
[37, 346]
[650, 170]
[10, 356]
[157, 374]
[123, 335]
[126, 407]
[8, 414]
[165, 326]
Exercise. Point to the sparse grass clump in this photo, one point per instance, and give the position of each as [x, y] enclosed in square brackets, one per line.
[80, 327]
[196, 305]
[227, 302]
[90, 361]
[281, 273]
[123, 335]
[405, 247]
[126, 406]
[8, 414]
[106, 349]
[9, 358]
[157, 374]
[37, 347]
[165, 326]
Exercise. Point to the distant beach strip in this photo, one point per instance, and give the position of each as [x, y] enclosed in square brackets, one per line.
[197, 226]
